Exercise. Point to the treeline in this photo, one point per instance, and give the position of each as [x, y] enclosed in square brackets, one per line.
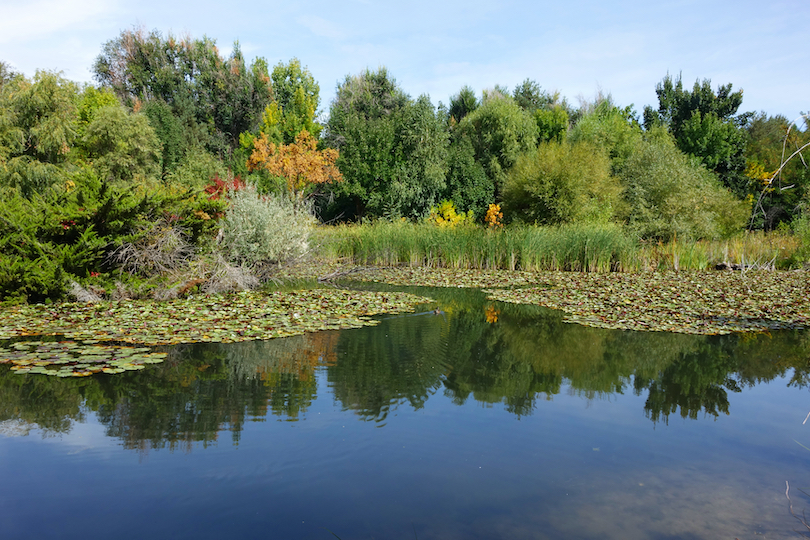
[141, 170]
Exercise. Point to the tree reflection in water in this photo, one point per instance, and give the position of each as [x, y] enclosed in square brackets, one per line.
[514, 355]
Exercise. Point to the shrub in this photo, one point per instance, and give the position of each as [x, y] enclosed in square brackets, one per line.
[562, 183]
[159, 247]
[801, 229]
[494, 216]
[23, 279]
[445, 215]
[196, 170]
[670, 195]
[264, 229]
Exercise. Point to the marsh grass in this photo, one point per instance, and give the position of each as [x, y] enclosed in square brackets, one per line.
[575, 247]
[774, 250]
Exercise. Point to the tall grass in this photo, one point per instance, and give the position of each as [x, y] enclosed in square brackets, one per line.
[749, 249]
[576, 247]
[589, 248]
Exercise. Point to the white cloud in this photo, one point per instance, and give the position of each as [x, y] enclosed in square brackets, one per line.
[23, 22]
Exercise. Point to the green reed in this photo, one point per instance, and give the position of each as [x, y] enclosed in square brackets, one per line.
[573, 247]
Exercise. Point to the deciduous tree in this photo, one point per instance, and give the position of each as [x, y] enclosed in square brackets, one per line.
[462, 104]
[37, 130]
[392, 149]
[705, 124]
[771, 140]
[297, 97]
[562, 183]
[224, 96]
[499, 131]
[122, 146]
[670, 195]
[301, 164]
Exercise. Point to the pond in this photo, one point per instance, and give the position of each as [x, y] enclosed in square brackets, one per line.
[481, 420]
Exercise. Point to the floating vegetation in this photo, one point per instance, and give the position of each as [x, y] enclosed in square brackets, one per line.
[689, 302]
[684, 302]
[230, 318]
[73, 359]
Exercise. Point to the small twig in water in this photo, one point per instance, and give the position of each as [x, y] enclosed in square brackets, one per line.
[340, 273]
[801, 519]
[333, 534]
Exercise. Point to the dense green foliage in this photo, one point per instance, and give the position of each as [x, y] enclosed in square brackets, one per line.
[172, 125]
[610, 128]
[467, 183]
[704, 125]
[121, 145]
[771, 141]
[671, 196]
[562, 183]
[60, 234]
[392, 149]
[37, 131]
[296, 100]
[216, 99]
[500, 131]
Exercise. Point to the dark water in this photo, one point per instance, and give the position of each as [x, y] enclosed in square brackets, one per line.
[484, 421]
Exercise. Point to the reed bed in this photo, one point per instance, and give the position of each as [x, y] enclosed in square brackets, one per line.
[575, 247]
[757, 249]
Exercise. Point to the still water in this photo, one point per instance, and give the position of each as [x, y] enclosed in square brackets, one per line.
[483, 421]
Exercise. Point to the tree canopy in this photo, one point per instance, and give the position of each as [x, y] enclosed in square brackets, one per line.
[392, 149]
[224, 97]
[705, 124]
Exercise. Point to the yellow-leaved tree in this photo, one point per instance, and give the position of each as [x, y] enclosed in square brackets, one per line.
[300, 163]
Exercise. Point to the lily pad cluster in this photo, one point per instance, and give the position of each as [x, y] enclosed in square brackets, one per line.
[230, 318]
[73, 359]
[683, 302]
[693, 303]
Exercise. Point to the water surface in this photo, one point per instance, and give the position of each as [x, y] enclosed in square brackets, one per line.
[485, 420]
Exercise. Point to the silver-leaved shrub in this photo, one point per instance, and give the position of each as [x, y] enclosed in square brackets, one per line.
[260, 229]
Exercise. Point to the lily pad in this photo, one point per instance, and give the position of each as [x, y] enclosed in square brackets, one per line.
[236, 317]
[685, 302]
[68, 359]
[693, 303]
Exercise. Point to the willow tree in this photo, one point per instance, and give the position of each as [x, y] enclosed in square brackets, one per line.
[38, 124]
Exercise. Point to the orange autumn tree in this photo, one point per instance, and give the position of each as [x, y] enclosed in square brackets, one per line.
[300, 163]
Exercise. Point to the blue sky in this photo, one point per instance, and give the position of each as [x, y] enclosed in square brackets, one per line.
[576, 47]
